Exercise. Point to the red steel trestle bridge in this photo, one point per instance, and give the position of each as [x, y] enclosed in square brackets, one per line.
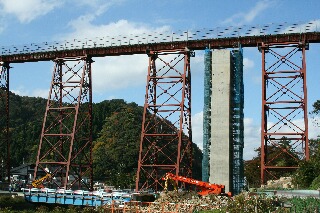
[65, 147]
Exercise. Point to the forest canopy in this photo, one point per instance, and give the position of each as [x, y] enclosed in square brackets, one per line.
[116, 137]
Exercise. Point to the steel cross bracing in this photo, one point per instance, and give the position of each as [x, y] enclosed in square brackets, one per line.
[247, 36]
[4, 122]
[284, 142]
[65, 149]
[166, 129]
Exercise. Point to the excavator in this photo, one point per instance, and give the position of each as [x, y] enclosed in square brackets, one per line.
[39, 182]
[205, 187]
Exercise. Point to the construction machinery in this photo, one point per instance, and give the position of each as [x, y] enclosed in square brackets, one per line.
[204, 187]
[39, 182]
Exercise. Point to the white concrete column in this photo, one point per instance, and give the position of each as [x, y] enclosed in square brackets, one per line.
[221, 140]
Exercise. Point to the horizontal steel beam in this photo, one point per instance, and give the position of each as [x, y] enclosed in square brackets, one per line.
[247, 41]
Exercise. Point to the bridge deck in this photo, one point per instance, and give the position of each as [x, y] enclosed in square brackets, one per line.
[228, 42]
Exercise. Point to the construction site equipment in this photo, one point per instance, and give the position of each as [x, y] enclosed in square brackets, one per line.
[205, 187]
[39, 183]
[169, 180]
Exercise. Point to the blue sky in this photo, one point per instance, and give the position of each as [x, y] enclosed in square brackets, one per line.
[35, 21]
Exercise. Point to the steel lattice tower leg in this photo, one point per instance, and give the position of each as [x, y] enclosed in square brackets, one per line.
[284, 142]
[165, 144]
[4, 120]
[65, 148]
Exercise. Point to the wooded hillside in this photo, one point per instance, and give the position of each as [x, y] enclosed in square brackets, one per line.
[116, 136]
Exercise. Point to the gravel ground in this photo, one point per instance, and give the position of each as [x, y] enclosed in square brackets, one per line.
[184, 202]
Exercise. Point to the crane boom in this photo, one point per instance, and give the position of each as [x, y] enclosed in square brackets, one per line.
[205, 187]
[38, 183]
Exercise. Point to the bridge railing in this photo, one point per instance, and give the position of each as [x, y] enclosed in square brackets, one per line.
[163, 37]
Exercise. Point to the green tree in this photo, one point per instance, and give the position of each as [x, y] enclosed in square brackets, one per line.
[116, 150]
[116, 135]
[305, 174]
[281, 154]
[316, 108]
[252, 172]
[117, 147]
[308, 174]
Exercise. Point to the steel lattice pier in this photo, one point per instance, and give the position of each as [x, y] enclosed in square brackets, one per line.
[65, 149]
[166, 129]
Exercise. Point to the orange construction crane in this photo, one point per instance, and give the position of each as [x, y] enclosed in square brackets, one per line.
[205, 187]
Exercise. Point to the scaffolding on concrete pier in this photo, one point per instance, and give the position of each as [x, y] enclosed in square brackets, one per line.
[236, 114]
[207, 114]
[237, 104]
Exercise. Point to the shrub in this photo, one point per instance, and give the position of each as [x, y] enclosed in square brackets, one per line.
[315, 183]
[14, 203]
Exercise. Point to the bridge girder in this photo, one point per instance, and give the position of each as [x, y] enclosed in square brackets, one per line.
[246, 41]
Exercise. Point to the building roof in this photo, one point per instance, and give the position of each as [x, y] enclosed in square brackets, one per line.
[23, 169]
